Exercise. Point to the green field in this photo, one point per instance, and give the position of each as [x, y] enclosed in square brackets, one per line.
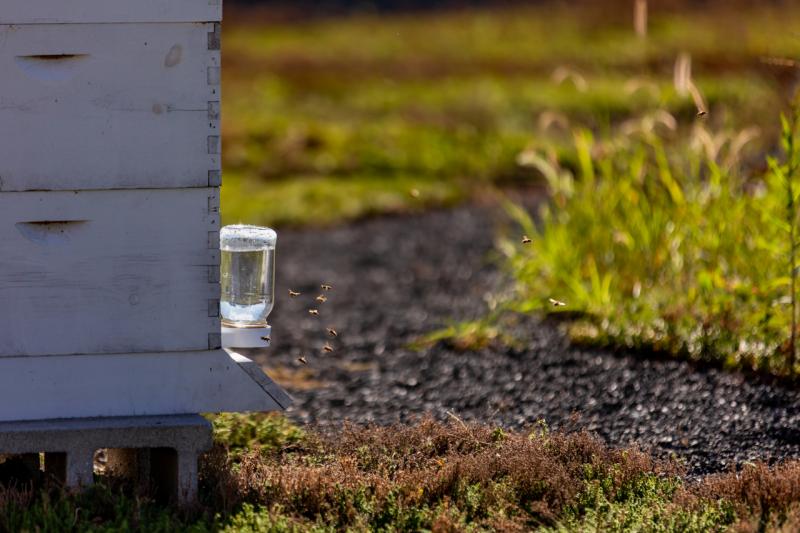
[335, 119]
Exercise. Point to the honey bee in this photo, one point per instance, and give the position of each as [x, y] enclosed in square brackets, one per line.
[302, 360]
[326, 287]
[293, 294]
[332, 332]
[322, 298]
[526, 239]
[266, 338]
[702, 112]
[327, 348]
[313, 312]
[556, 303]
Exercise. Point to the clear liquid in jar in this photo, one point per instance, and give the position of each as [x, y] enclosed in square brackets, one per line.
[248, 286]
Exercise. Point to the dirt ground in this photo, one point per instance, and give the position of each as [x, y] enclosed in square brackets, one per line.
[395, 279]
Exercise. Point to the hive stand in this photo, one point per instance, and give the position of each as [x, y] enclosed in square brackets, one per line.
[160, 451]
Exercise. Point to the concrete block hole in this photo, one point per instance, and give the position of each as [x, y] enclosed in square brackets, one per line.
[163, 474]
[151, 471]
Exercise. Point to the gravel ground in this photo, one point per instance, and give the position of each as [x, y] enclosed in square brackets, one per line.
[397, 278]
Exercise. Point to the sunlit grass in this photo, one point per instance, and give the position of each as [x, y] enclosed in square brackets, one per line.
[323, 200]
[664, 244]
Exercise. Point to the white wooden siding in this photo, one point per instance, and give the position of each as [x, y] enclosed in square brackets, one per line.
[37, 388]
[84, 272]
[109, 213]
[73, 11]
[101, 106]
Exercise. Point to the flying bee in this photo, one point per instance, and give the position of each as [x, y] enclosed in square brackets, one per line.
[414, 193]
[327, 348]
[266, 338]
[302, 360]
[313, 312]
[326, 287]
[322, 298]
[332, 332]
[526, 239]
[293, 294]
[702, 112]
[556, 303]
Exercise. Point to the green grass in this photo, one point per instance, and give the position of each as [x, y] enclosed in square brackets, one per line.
[267, 475]
[326, 200]
[339, 119]
[645, 504]
[665, 244]
[239, 433]
[521, 38]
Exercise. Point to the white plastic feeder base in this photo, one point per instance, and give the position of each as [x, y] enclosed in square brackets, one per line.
[247, 337]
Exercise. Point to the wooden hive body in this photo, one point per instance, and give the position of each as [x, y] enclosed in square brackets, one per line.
[109, 213]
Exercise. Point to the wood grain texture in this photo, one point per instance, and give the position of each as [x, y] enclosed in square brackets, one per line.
[85, 272]
[131, 385]
[101, 106]
[76, 11]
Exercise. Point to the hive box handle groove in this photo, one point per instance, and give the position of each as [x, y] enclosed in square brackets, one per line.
[50, 67]
[50, 231]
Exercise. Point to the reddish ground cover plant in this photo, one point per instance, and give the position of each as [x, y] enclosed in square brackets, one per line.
[267, 475]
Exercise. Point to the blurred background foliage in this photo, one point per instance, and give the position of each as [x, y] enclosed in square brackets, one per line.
[672, 218]
[334, 118]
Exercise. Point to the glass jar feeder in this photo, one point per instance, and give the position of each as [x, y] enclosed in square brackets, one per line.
[247, 275]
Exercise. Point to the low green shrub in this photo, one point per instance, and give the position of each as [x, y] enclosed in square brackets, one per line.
[668, 242]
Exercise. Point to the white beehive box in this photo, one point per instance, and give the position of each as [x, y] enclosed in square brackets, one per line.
[109, 213]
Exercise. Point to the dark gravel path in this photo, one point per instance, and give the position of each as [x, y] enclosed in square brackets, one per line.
[397, 278]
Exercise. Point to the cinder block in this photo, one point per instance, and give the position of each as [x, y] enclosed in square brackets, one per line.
[161, 451]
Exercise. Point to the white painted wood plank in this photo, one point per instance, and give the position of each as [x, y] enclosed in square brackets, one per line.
[257, 374]
[38, 388]
[99, 106]
[72, 11]
[86, 272]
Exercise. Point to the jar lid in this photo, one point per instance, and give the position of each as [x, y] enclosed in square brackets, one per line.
[244, 238]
